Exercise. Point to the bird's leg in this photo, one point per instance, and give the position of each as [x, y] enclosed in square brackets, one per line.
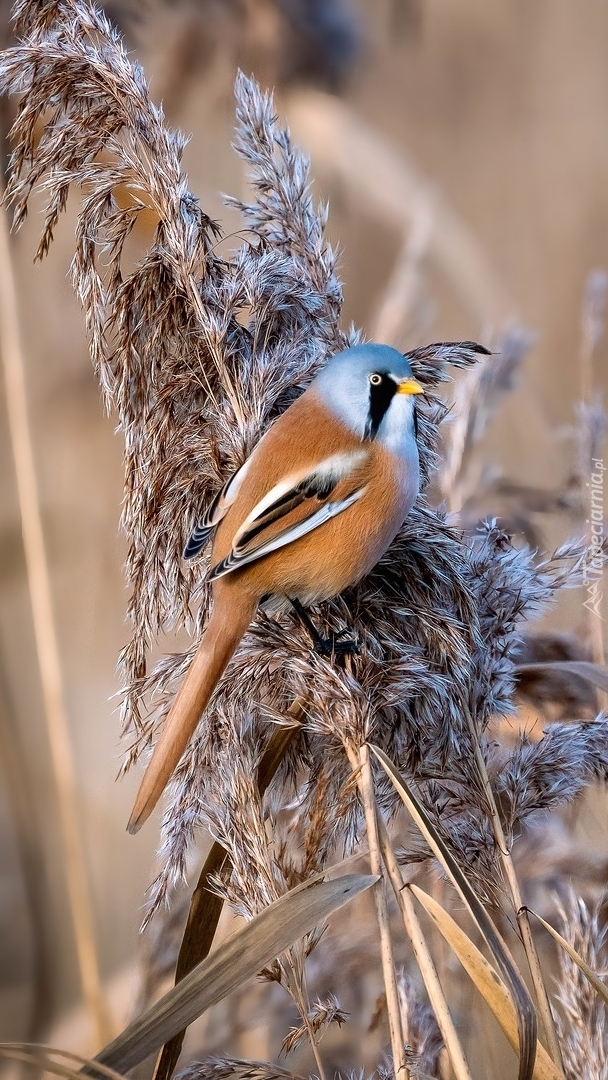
[326, 646]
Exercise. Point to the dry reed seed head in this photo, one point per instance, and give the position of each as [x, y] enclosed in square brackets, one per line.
[420, 1029]
[385, 1070]
[409, 668]
[283, 214]
[216, 1068]
[468, 835]
[194, 389]
[415, 669]
[535, 777]
[233, 813]
[543, 774]
[321, 1016]
[581, 1018]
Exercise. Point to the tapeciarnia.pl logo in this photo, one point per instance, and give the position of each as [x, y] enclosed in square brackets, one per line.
[593, 569]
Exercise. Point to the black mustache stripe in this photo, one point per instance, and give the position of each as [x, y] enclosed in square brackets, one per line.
[380, 397]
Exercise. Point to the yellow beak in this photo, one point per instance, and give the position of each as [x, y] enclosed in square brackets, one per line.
[410, 386]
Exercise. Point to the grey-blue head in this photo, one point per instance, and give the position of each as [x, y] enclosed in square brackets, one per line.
[371, 389]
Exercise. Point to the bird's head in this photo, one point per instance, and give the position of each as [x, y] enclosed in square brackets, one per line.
[372, 389]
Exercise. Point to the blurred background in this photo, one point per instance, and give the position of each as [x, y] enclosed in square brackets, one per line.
[463, 148]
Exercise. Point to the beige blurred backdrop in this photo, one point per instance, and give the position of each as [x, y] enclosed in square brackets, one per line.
[476, 132]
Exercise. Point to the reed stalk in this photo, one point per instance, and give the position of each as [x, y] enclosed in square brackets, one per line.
[47, 646]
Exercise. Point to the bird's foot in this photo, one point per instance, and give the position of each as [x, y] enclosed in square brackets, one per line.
[336, 645]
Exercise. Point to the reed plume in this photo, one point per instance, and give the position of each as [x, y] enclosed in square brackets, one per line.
[197, 349]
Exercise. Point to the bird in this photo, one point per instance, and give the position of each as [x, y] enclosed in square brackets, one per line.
[309, 513]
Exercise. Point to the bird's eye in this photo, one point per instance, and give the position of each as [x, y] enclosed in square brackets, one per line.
[375, 379]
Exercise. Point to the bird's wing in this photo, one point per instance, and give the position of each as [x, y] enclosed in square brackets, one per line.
[312, 492]
[214, 513]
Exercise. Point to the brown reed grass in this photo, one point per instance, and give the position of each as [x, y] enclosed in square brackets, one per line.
[74, 862]
[197, 353]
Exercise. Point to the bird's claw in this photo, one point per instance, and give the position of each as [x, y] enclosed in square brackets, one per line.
[333, 646]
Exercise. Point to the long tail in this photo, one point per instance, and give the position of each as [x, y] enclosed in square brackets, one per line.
[225, 629]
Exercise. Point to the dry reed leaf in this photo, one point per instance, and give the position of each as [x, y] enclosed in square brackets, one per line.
[486, 979]
[424, 960]
[526, 1014]
[594, 979]
[247, 951]
[42, 1057]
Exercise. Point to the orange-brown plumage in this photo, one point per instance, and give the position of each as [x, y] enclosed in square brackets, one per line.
[313, 435]
[369, 481]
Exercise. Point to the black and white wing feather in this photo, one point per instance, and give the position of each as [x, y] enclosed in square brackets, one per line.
[214, 514]
[261, 532]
